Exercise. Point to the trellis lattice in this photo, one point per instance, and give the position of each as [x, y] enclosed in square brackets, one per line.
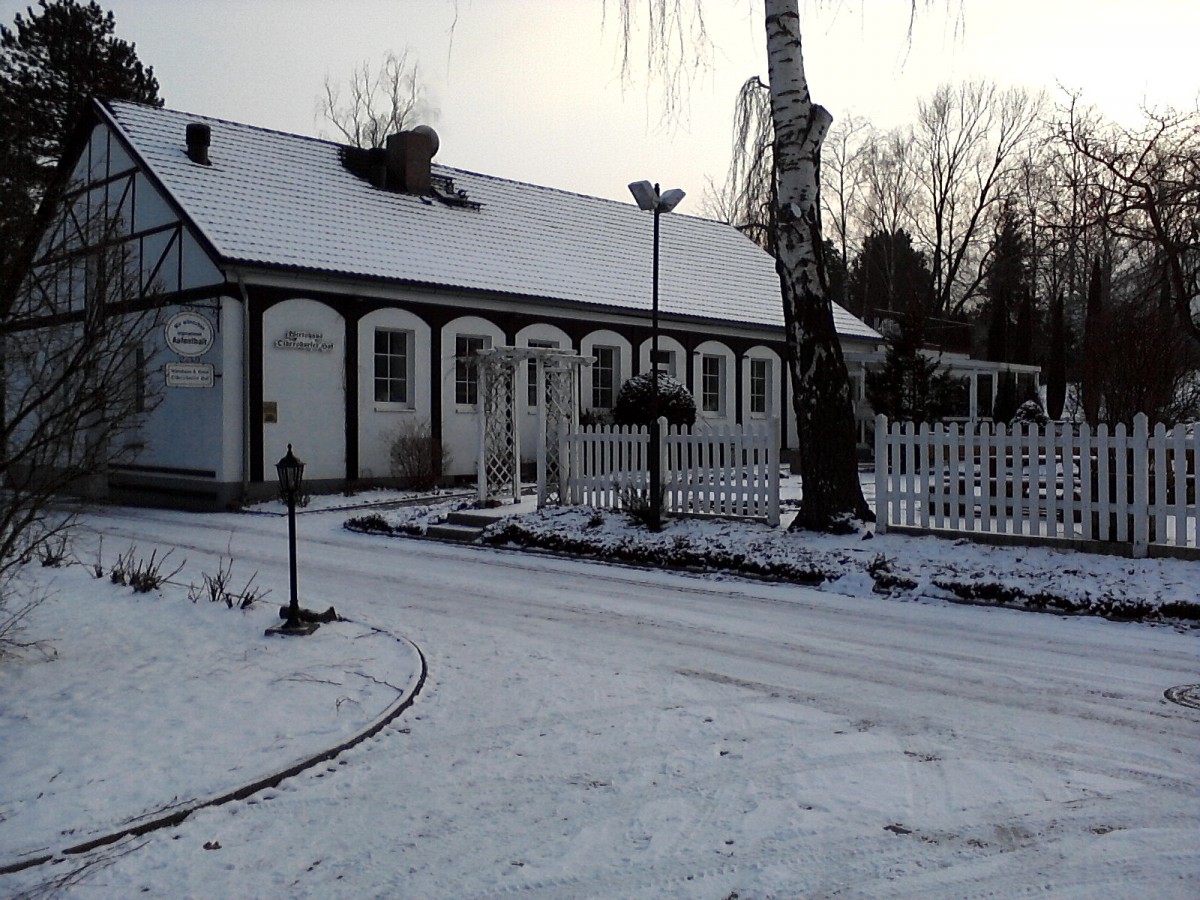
[559, 377]
[501, 405]
[500, 442]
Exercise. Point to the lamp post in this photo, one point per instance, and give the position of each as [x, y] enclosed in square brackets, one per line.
[291, 475]
[651, 199]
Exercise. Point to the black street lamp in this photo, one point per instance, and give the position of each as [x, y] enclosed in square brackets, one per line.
[291, 476]
[651, 199]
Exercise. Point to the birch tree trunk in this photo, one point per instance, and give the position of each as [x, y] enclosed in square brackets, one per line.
[820, 382]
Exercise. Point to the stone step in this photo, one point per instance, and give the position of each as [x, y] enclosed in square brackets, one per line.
[453, 532]
[474, 518]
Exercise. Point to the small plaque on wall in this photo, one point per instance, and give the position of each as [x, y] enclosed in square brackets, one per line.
[270, 412]
[189, 375]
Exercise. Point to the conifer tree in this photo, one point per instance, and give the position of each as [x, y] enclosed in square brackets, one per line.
[1092, 335]
[54, 58]
[1007, 286]
[1056, 360]
[889, 276]
[909, 386]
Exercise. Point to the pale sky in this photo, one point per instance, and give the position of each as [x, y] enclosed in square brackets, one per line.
[532, 89]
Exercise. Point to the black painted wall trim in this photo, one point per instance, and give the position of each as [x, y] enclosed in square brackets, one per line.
[255, 370]
[350, 318]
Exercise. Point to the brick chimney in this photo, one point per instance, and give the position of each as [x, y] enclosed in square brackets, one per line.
[408, 158]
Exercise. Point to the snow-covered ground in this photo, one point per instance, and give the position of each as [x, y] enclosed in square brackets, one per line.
[594, 730]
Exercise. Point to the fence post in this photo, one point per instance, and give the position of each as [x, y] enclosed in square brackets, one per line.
[881, 474]
[540, 387]
[1141, 486]
[565, 449]
[660, 448]
[773, 472]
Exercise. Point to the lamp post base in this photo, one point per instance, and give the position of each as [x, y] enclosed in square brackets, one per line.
[293, 629]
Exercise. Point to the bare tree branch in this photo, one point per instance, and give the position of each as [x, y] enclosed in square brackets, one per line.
[376, 103]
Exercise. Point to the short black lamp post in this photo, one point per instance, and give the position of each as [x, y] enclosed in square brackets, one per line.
[291, 476]
[651, 199]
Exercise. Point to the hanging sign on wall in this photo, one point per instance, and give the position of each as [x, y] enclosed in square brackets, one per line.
[189, 334]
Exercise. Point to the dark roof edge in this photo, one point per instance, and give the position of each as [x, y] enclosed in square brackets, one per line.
[250, 266]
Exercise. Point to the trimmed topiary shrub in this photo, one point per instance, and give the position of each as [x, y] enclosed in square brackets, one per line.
[634, 402]
[1030, 413]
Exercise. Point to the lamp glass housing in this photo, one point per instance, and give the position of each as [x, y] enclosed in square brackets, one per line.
[291, 473]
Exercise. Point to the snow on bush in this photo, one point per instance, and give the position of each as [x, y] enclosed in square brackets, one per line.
[635, 401]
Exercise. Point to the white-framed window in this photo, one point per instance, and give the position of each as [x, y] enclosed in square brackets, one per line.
[532, 397]
[393, 366]
[712, 383]
[466, 371]
[760, 386]
[605, 372]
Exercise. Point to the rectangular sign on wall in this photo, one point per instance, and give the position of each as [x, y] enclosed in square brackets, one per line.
[189, 375]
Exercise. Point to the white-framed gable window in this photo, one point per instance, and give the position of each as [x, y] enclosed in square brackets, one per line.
[466, 371]
[605, 372]
[760, 386]
[531, 388]
[393, 366]
[712, 383]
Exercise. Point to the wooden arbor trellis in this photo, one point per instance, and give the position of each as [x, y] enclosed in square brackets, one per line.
[500, 405]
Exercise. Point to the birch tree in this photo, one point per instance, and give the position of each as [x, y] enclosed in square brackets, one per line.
[744, 200]
[821, 396]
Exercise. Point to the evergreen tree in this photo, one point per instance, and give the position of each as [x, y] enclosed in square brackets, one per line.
[1007, 402]
[888, 276]
[1093, 328]
[1007, 285]
[835, 266]
[1021, 344]
[1056, 360]
[52, 61]
[910, 386]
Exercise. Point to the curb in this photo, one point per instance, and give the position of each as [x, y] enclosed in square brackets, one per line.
[269, 781]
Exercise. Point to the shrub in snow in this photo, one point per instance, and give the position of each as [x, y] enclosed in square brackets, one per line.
[636, 504]
[1030, 413]
[635, 399]
[417, 458]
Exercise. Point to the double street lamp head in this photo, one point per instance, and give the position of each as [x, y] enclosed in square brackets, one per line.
[650, 199]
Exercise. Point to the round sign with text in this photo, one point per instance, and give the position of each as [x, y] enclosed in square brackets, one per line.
[189, 334]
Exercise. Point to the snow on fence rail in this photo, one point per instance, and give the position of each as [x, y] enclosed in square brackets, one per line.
[1063, 481]
[722, 470]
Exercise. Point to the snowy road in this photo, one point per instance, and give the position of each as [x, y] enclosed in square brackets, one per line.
[598, 731]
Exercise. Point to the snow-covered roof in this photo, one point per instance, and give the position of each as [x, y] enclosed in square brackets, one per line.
[275, 199]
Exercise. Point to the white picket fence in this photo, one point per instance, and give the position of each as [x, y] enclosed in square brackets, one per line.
[718, 470]
[1058, 482]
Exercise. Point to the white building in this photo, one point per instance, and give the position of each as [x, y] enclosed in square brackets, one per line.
[323, 296]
